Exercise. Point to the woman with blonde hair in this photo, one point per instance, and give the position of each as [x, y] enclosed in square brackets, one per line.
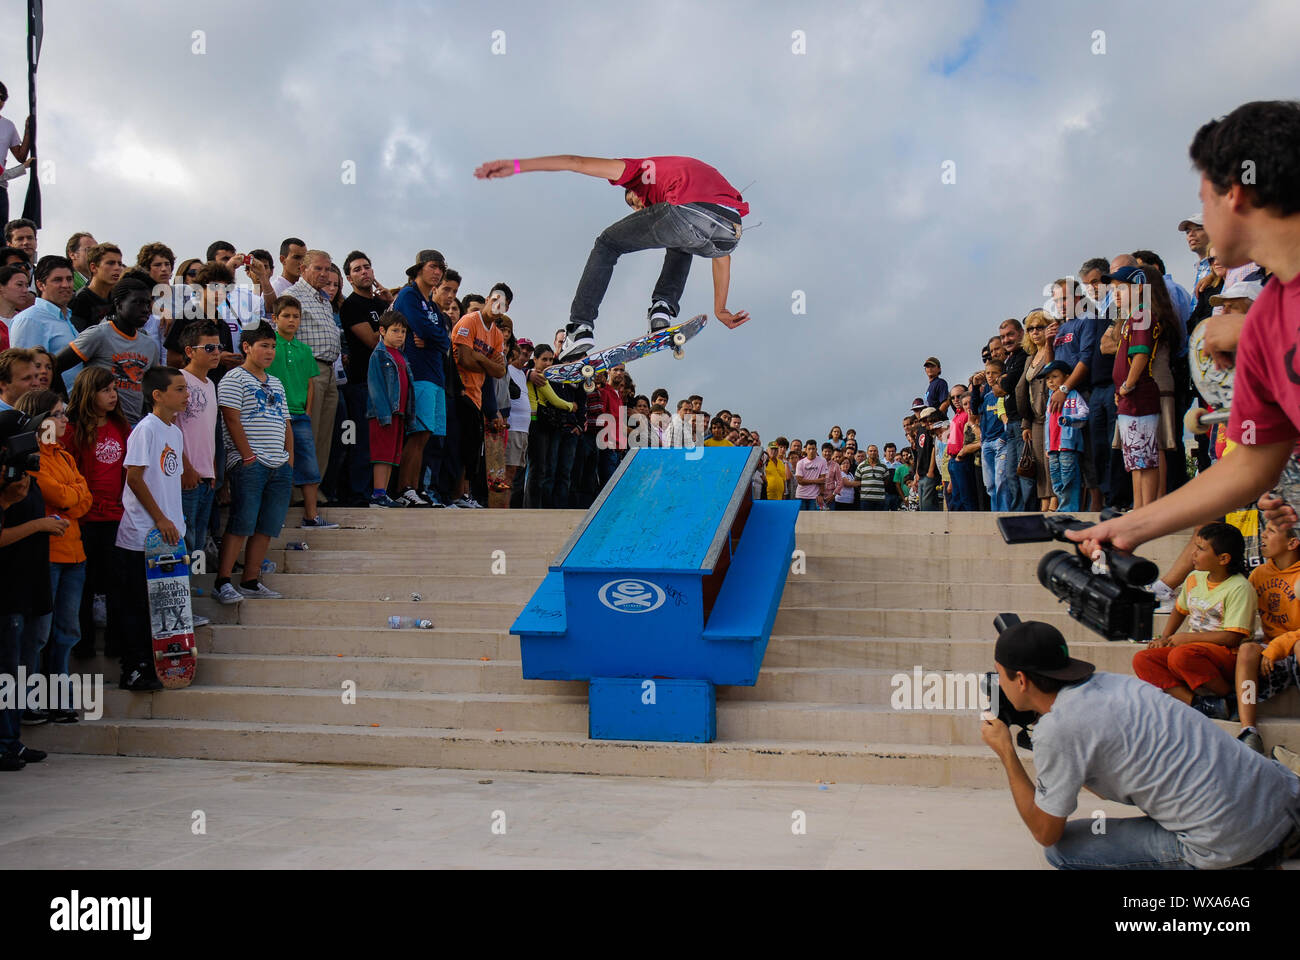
[1031, 399]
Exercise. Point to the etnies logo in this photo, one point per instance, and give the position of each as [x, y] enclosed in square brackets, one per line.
[73, 914]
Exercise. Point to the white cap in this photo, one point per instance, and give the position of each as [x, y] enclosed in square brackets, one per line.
[1195, 221]
[1241, 290]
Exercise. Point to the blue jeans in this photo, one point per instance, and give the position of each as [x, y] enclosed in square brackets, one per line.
[196, 504]
[928, 490]
[1102, 414]
[682, 231]
[865, 504]
[993, 455]
[67, 580]
[1129, 843]
[259, 498]
[809, 504]
[33, 634]
[1063, 468]
[964, 495]
[1014, 491]
[11, 632]
[566, 452]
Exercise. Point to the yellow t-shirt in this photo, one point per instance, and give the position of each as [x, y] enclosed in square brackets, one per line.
[777, 474]
[1279, 610]
[1228, 605]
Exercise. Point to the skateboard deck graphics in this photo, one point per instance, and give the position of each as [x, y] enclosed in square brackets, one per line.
[626, 352]
[171, 620]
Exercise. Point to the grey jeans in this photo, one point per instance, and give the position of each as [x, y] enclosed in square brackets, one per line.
[684, 231]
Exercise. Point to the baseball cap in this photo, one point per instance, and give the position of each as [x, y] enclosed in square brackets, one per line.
[930, 360]
[1037, 647]
[1126, 275]
[1061, 365]
[423, 257]
[1196, 221]
[918, 404]
[928, 412]
[1241, 290]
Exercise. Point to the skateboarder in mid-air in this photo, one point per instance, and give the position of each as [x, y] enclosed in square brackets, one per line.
[681, 205]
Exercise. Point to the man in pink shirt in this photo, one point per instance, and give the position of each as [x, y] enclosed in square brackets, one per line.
[811, 474]
[682, 205]
[1257, 220]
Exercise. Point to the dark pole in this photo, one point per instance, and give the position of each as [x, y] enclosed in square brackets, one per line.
[35, 34]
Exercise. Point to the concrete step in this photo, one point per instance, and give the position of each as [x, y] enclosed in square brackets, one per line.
[399, 587]
[486, 749]
[440, 642]
[426, 562]
[935, 624]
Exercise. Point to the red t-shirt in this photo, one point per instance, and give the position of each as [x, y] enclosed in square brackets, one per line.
[1266, 389]
[678, 180]
[1145, 398]
[613, 403]
[104, 470]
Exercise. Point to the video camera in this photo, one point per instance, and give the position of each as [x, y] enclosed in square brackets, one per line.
[19, 452]
[1112, 603]
[1000, 705]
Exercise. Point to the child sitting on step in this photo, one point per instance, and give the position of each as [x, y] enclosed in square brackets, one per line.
[1264, 672]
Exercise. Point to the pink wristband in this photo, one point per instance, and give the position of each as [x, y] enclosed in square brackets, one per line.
[517, 170]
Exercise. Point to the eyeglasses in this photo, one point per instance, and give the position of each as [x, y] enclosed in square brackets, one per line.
[1036, 326]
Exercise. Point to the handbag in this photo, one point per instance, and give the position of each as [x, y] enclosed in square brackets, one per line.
[1028, 465]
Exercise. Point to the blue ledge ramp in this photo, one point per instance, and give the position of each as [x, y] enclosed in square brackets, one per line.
[745, 610]
[662, 512]
[544, 615]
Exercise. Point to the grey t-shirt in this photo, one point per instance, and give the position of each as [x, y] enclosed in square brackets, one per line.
[1125, 740]
[127, 358]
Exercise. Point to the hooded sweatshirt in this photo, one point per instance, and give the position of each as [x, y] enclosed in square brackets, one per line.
[1279, 611]
[66, 495]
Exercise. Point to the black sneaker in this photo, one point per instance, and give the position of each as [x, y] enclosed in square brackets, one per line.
[65, 716]
[577, 344]
[11, 761]
[30, 755]
[34, 718]
[139, 679]
[661, 315]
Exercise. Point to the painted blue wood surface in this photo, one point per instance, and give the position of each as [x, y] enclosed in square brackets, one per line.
[676, 711]
[664, 513]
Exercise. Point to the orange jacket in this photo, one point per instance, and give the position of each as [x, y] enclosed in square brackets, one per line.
[66, 494]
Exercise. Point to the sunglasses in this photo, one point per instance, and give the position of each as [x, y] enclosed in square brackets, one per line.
[1036, 326]
[208, 347]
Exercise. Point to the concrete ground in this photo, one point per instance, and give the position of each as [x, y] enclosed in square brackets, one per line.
[95, 812]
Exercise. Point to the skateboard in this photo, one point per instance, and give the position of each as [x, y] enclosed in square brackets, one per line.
[167, 579]
[1215, 387]
[584, 370]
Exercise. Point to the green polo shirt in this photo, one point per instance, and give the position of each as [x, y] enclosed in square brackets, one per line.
[294, 366]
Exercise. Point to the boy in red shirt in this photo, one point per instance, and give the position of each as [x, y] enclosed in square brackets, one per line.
[682, 205]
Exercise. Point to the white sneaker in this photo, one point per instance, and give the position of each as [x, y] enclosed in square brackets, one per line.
[202, 621]
[411, 498]
[467, 503]
[228, 595]
[263, 592]
[661, 316]
[1166, 595]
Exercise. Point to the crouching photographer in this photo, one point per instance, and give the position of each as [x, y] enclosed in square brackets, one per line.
[1206, 802]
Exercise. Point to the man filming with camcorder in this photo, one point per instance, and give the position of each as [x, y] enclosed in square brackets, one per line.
[1249, 163]
[1207, 803]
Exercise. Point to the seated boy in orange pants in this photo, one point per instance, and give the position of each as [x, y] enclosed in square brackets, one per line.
[1265, 672]
[1218, 604]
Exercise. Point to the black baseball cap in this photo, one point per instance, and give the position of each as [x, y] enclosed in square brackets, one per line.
[1037, 647]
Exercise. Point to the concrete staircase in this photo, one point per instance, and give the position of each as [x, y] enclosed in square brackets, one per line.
[879, 595]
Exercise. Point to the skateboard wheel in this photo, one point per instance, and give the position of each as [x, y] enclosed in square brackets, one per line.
[587, 371]
[1192, 421]
[589, 386]
[679, 339]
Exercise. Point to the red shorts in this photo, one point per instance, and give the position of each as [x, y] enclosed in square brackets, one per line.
[386, 441]
[1191, 665]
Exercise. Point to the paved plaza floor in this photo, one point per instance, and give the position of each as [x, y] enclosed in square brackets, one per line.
[94, 812]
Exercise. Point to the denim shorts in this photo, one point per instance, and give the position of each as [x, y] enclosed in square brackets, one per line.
[259, 498]
[305, 468]
[430, 409]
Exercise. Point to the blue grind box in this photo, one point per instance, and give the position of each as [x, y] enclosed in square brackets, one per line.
[683, 711]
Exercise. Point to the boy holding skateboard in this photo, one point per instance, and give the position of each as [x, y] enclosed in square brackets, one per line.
[155, 453]
[680, 204]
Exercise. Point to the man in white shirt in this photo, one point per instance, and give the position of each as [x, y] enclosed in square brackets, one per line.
[292, 253]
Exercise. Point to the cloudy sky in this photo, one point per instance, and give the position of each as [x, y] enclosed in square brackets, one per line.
[837, 120]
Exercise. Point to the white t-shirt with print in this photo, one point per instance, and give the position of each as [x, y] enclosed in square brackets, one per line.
[157, 447]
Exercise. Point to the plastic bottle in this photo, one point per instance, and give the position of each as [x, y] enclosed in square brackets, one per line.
[296, 546]
[407, 623]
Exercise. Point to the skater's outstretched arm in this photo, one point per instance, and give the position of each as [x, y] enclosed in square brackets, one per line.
[721, 283]
[592, 166]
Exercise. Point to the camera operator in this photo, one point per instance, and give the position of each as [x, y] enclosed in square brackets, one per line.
[1256, 220]
[1207, 803]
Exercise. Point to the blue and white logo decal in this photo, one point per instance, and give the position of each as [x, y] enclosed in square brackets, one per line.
[631, 596]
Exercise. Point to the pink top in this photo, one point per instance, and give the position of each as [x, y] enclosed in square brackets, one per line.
[813, 469]
[198, 425]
